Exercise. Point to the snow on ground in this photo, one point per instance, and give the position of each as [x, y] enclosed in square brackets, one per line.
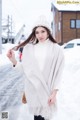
[68, 97]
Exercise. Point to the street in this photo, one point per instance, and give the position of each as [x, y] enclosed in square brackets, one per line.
[11, 87]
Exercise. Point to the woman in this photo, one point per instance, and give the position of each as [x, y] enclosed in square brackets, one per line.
[42, 64]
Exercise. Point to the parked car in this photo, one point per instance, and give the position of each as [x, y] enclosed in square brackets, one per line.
[71, 44]
[71, 51]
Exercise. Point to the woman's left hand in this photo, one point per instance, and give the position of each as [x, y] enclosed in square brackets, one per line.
[52, 98]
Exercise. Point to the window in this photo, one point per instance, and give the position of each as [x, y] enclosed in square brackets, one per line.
[77, 23]
[78, 44]
[72, 24]
[70, 45]
[51, 7]
[59, 26]
[52, 25]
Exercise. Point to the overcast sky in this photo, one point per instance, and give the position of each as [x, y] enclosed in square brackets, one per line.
[26, 11]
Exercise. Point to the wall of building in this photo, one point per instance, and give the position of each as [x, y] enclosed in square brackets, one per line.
[78, 30]
[57, 24]
[69, 33]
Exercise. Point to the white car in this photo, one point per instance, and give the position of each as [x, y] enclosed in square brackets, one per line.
[72, 52]
[71, 44]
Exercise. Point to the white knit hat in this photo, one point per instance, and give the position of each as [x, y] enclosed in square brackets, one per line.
[42, 21]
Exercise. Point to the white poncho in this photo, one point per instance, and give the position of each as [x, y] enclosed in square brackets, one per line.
[40, 84]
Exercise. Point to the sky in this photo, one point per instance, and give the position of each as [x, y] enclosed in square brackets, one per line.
[25, 12]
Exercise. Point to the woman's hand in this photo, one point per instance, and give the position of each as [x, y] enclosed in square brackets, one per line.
[11, 56]
[52, 98]
[24, 100]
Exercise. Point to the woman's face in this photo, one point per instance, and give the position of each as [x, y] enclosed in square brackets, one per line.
[41, 34]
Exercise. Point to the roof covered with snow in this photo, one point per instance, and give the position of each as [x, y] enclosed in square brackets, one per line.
[67, 5]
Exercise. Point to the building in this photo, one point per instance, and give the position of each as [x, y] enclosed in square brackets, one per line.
[66, 21]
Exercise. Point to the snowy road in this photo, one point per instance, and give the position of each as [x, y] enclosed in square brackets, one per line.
[11, 87]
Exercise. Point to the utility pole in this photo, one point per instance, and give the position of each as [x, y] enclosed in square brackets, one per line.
[8, 30]
[11, 28]
[0, 26]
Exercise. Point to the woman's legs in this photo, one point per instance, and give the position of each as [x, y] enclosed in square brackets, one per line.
[38, 118]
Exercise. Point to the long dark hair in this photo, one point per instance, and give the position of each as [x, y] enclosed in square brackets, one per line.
[32, 38]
